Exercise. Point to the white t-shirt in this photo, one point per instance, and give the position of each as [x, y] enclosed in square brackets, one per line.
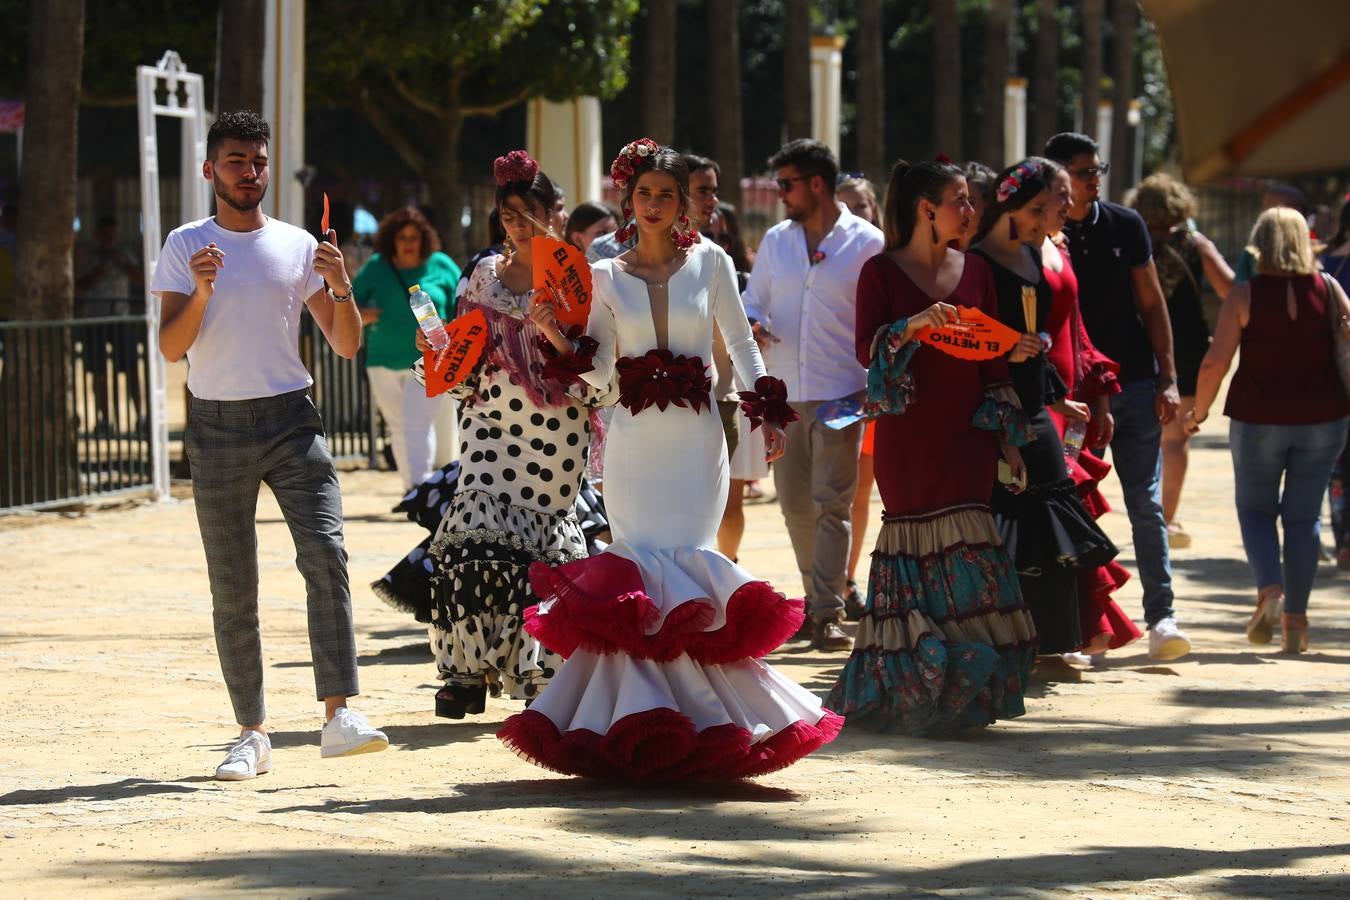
[248, 345]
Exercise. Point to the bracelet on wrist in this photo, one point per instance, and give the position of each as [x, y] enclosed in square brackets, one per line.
[340, 298]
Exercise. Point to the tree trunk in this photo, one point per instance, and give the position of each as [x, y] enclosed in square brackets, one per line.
[724, 70]
[239, 55]
[39, 445]
[947, 91]
[996, 57]
[1094, 12]
[797, 68]
[1045, 116]
[658, 72]
[870, 122]
[442, 177]
[1124, 20]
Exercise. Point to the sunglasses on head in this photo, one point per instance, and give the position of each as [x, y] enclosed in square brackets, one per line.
[849, 176]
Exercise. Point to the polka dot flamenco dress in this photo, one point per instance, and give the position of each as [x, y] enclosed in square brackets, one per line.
[525, 443]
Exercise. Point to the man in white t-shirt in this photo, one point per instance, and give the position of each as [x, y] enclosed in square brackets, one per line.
[233, 287]
[801, 299]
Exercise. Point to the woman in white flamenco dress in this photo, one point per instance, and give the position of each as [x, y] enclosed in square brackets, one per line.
[663, 635]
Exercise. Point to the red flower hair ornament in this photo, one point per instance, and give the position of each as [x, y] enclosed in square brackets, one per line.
[514, 166]
[768, 402]
[624, 165]
[660, 378]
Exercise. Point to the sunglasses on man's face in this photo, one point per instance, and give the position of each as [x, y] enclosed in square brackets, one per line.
[1091, 173]
[785, 184]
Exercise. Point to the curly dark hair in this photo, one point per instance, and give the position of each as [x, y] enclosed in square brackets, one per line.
[241, 125]
[395, 222]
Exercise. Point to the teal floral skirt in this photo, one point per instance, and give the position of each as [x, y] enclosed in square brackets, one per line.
[945, 643]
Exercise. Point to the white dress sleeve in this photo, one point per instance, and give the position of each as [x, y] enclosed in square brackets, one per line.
[731, 321]
[602, 328]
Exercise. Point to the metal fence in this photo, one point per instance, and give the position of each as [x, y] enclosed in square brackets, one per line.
[342, 395]
[73, 420]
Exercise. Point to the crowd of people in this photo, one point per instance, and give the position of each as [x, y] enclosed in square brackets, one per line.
[583, 548]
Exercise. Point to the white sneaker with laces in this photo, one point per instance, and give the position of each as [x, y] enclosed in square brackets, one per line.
[1166, 641]
[250, 757]
[348, 733]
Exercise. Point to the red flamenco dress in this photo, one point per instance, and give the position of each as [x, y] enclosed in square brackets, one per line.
[1089, 374]
[662, 634]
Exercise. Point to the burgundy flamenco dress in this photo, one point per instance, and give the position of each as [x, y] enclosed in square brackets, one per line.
[1089, 374]
[945, 642]
[662, 634]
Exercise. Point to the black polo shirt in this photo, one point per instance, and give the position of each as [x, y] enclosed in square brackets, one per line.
[1105, 247]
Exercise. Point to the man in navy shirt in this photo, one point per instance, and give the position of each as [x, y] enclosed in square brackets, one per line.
[1125, 314]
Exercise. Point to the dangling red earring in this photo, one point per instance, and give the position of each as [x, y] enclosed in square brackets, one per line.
[1012, 228]
[629, 225]
[932, 226]
[682, 234]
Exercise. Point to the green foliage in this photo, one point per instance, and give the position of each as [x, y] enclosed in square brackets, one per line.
[119, 36]
[468, 57]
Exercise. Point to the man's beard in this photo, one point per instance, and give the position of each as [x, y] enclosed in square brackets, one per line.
[223, 194]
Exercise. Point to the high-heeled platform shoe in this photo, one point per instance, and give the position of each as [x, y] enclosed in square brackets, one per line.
[1293, 633]
[454, 701]
[1261, 626]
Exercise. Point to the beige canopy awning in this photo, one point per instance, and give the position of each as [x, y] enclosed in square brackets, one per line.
[1261, 87]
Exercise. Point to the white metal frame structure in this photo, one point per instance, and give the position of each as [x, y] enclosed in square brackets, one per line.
[172, 75]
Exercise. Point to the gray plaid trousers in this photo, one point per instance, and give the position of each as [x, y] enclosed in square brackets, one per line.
[234, 446]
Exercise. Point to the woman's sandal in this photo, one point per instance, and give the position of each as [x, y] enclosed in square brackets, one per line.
[1293, 633]
[455, 701]
[1261, 626]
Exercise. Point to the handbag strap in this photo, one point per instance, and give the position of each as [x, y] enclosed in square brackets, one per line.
[1185, 267]
[397, 277]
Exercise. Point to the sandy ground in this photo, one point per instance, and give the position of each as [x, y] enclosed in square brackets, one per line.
[1221, 774]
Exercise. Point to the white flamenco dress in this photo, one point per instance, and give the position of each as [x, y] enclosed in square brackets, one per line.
[662, 633]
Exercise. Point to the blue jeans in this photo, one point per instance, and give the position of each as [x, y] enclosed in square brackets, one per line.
[1136, 453]
[1303, 455]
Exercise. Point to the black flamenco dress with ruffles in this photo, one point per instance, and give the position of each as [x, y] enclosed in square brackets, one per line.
[1046, 529]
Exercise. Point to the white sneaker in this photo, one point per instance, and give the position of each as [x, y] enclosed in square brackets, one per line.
[348, 733]
[1166, 641]
[250, 757]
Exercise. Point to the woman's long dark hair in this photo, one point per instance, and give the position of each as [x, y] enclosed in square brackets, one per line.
[1037, 173]
[538, 192]
[910, 182]
[1342, 229]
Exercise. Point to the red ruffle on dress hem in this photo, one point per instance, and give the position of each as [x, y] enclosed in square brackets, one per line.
[600, 604]
[659, 745]
[1098, 612]
[1087, 472]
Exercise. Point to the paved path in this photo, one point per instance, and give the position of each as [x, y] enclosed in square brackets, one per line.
[1224, 773]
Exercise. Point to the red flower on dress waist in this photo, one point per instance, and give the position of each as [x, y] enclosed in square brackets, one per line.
[567, 368]
[659, 377]
[768, 402]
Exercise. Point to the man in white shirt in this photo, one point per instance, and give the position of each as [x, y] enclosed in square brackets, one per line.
[801, 298]
[233, 287]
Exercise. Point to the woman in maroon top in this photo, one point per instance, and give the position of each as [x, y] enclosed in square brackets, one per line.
[1288, 410]
[944, 642]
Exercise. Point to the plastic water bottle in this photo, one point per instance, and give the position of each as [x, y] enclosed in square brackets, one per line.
[424, 311]
[1073, 438]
